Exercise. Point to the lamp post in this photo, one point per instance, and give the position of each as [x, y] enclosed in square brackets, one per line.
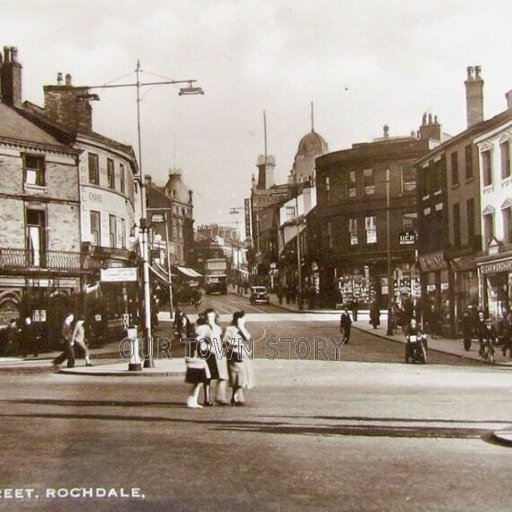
[144, 224]
[389, 331]
[235, 210]
[167, 254]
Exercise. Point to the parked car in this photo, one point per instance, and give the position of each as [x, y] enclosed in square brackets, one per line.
[259, 295]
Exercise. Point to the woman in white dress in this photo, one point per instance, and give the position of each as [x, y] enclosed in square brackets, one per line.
[239, 353]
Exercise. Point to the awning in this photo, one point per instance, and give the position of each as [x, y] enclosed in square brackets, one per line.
[189, 272]
[159, 272]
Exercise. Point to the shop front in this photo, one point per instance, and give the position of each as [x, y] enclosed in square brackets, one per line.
[496, 284]
[437, 304]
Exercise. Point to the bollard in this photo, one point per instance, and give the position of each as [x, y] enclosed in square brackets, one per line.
[135, 364]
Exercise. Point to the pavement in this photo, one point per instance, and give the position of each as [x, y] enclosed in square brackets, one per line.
[106, 366]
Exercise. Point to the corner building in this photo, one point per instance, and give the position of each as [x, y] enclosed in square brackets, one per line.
[352, 218]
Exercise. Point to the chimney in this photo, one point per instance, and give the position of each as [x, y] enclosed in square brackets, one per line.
[508, 95]
[431, 129]
[474, 96]
[10, 77]
[69, 106]
[266, 172]
[386, 131]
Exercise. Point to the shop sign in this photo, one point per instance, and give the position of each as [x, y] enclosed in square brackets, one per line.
[496, 267]
[432, 261]
[118, 274]
[408, 238]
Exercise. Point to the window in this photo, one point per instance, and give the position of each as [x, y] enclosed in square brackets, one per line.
[507, 224]
[488, 227]
[111, 180]
[35, 237]
[468, 157]
[290, 213]
[328, 234]
[112, 229]
[352, 184]
[370, 226]
[368, 182]
[94, 175]
[95, 228]
[122, 186]
[408, 178]
[456, 225]
[34, 168]
[352, 229]
[123, 233]
[327, 188]
[455, 168]
[487, 168]
[409, 221]
[470, 212]
[505, 159]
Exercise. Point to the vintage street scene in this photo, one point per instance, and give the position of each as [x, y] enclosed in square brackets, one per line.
[291, 292]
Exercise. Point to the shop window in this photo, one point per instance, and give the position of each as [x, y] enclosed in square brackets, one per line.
[95, 228]
[505, 159]
[110, 174]
[370, 226]
[94, 174]
[352, 229]
[34, 169]
[487, 168]
[455, 168]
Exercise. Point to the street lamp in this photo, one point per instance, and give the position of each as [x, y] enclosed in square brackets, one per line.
[190, 89]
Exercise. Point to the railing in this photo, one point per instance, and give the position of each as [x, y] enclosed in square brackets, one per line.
[22, 259]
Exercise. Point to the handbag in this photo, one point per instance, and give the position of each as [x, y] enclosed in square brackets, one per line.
[196, 370]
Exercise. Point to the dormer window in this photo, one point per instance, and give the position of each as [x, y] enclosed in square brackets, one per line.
[34, 170]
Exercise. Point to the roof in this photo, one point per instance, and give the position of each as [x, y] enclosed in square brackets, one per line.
[312, 144]
[15, 127]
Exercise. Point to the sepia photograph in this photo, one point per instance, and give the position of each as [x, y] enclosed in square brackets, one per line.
[255, 255]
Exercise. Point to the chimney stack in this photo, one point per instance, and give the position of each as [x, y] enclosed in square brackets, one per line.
[68, 106]
[430, 129]
[386, 131]
[508, 95]
[474, 96]
[10, 77]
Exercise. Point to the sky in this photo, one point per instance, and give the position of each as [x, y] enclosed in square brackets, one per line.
[362, 63]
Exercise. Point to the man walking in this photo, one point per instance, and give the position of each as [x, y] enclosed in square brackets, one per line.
[69, 351]
[345, 325]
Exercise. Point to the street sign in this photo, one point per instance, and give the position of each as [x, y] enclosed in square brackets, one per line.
[157, 218]
[118, 274]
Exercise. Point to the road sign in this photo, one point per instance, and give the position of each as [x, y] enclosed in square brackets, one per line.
[118, 274]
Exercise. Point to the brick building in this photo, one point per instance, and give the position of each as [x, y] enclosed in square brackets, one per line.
[352, 217]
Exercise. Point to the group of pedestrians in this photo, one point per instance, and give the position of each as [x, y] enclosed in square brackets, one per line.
[220, 355]
[73, 335]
